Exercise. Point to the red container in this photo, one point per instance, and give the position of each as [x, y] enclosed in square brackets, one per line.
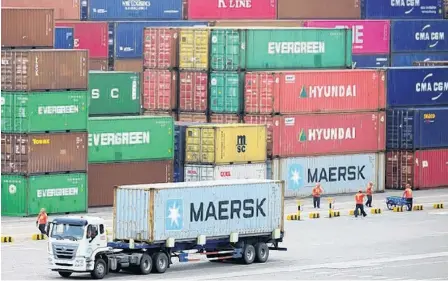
[225, 118]
[92, 36]
[232, 9]
[318, 134]
[159, 89]
[314, 91]
[193, 91]
[160, 48]
[263, 119]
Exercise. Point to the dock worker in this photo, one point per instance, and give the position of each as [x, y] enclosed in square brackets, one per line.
[407, 194]
[41, 221]
[317, 191]
[369, 193]
[359, 199]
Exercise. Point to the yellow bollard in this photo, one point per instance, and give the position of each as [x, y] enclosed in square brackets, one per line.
[7, 239]
[351, 212]
[417, 208]
[438, 206]
[38, 237]
[314, 215]
[398, 209]
[375, 211]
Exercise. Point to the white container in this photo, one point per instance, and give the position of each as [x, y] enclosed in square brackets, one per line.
[225, 172]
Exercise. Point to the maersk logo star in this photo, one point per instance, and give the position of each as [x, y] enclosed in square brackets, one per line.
[295, 176]
[295, 179]
[174, 212]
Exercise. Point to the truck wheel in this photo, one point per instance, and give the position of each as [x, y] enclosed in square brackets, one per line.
[99, 270]
[261, 252]
[160, 262]
[65, 274]
[145, 264]
[248, 254]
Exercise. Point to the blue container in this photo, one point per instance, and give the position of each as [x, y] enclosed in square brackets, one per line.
[417, 128]
[112, 10]
[402, 9]
[179, 152]
[63, 38]
[128, 36]
[407, 59]
[417, 86]
[419, 36]
[365, 61]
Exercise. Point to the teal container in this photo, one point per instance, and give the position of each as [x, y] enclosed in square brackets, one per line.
[226, 91]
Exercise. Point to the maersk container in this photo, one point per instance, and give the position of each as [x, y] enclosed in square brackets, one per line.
[367, 61]
[114, 93]
[156, 212]
[417, 86]
[63, 38]
[110, 10]
[418, 128]
[408, 59]
[57, 193]
[419, 36]
[338, 174]
[45, 112]
[130, 138]
[226, 91]
[401, 9]
[225, 172]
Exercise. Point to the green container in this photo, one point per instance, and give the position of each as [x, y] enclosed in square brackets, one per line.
[44, 112]
[114, 93]
[226, 91]
[130, 138]
[226, 49]
[57, 193]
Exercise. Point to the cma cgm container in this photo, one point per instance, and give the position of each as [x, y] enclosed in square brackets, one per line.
[63, 9]
[43, 153]
[225, 172]
[114, 93]
[129, 138]
[401, 9]
[297, 135]
[193, 91]
[408, 59]
[267, 120]
[338, 174]
[417, 86]
[318, 9]
[63, 38]
[226, 91]
[419, 35]
[225, 144]
[59, 193]
[35, 70]
[314, 91]
[263, 212]
[194, 48]
[368, 61]
[160, 89]
[160, 47]
[420, 128]
[45, 111]
[230, 9]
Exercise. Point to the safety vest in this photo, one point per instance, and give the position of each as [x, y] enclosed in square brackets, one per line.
[359, 198]
[42, 218]
[408, 193]
[369, 190]
[316, 192]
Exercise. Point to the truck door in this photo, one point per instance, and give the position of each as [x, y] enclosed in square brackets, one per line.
[93, 236]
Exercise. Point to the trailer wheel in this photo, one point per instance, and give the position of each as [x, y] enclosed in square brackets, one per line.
[65, 274]
[248, 254]
[261, 252]
[145, 264]
[160, 262]
[99, 270]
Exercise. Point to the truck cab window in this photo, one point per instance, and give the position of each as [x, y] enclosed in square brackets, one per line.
[92, 231]
[101, 228]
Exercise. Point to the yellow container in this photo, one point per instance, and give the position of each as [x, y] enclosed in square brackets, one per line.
[225, 143]
[194, 48]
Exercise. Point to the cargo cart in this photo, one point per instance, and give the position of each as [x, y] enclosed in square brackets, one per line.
[393, 201]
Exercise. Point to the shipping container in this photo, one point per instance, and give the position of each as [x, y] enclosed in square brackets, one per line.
[190, 199]
[225, 118]
[225, 172]
[317, 134]
[130, 138]
[314, 91]
[259, 23]
[179, 151]
[338, 174]
[160, 47]
[60, 193]
[420, 128]
[193, 91]
[417, 86]
[7, 106]
[63, 38]
[192, 117]
[92, 36]
[430, 63]
[318, 9]
[194, 48]
[134, 65]
[63, 9]
[46, 111]
[419, 36]
[114, 93]
[127, 37]
[160, 90]
[369, 36]
[225, 144]
[35, 70]
[99, 64]
[401, 9]
[226, 91]
[43, 153]
[27, 28]
[267, 120]
[171, 114]
[230, 9]
[367, 61]
[408, 59]
[103, 178]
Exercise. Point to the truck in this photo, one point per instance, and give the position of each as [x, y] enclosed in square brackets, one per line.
[237, 220]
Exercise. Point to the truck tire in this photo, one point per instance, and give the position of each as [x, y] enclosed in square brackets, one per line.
[160, 262]
[261, 252]
[145, 266]
[65, 274]
[248, 254]
[99, 270]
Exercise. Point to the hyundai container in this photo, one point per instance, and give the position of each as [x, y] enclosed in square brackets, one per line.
[160, 90]
[40, 153]
[194, 48]
[338, 174]
[417, 86]
[408, 59]
[226, 91]
[46, 112]
[230, 9]
[193, 91]
[225, 118]
[63, 9]
[419, 36]
[192, 117]
[318, 9]
[268, 121]
[160, 47]
[260, 23]
[368, 61]
[225, 172]
[114, 93]
[314, 91]
[401, 9]
[63, 38]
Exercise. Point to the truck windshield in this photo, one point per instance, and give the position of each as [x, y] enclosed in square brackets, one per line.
[67, 231]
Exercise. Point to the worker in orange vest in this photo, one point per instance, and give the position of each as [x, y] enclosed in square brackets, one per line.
[369, 193]
[407, 194]
[41, 221]
[317, 191]
[359, 198]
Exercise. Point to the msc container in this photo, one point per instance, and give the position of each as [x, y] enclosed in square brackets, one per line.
[420, 128]
[160, 89]
[61, 193]
[408, 59]
[35, 70]
[368, 61]
[267, 120]
[417, 86]
[303, 135]
[46, 112]
[225, 144]
[226, 92]
[314, 91]
[225, 172]
[193, 91]
[338, 174]
[43, 153]
[63, 38]
[27, 28]
[114, 93]
[260, 23]
[130, 138]
[230, 9]
[103, 178]
[419, 35]
[192, 117]
[194, 48]
[263, 212]
[63, 9]
[401, 9]
[225, 118]
[160, 47]
[318, 9]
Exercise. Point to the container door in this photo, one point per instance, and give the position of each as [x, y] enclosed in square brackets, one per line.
[207, 145]
[225, 92]
[207, 173]
[193, 53]
[14, 196]
[192, 173]
[226, 49]
[192, 145]
[7, 104]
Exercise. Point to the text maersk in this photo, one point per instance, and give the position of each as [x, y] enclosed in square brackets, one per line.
[431, 87]
[296, 48]
[51, 110]
[335, 174]
[227, 209]
[109, 139]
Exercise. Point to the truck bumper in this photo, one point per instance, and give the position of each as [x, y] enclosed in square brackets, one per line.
[75, 265]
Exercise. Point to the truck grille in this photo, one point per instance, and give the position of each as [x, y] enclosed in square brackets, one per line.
[67, 252]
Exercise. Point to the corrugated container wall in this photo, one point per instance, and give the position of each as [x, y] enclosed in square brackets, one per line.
[43, 153]
[160, 48]
[34, 70]
[225, 118]
[303, 135]
[431, 63]
[192, 117]
[318, 9]
[98, 64]
[160, 89]
[225, 172]
[419, 35]
[229, 9]
[103, 178]
[64, 38]
[27, 28]
[366, 61]
[338, 174]
[194, 48]
[63, 9]
[134, 65]
[193, 91]
[179, 151]
[267, 198]
[226, 92]
[387, 9]
[408, 59]
[267, 120]
[259, 23]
